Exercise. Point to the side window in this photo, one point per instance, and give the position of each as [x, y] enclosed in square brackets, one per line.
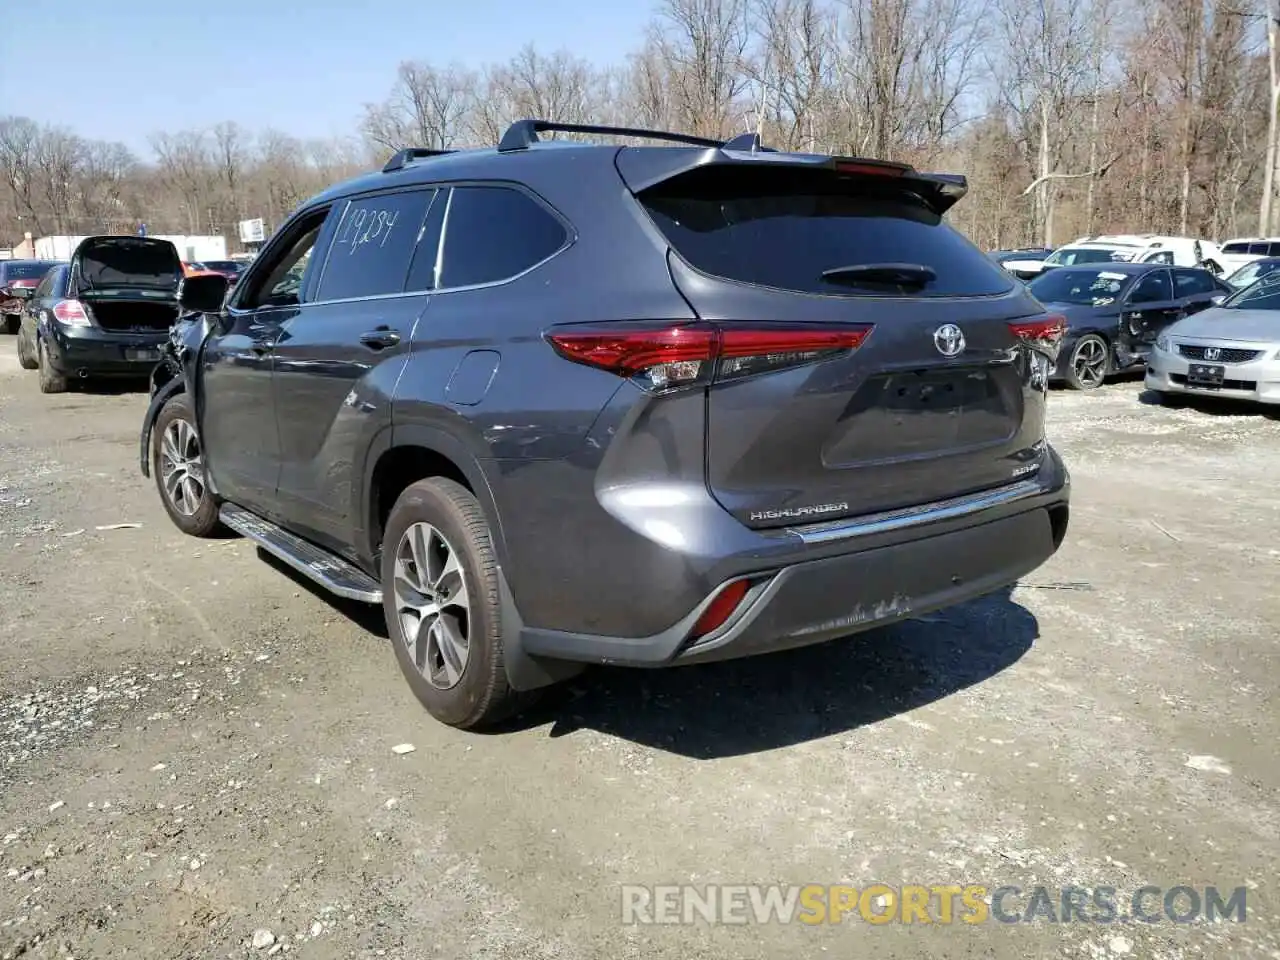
[1191, 283]
[277, 278]
[1153, 288]
[45, 285]
[494, 233]
[422, 271]
[1164, 256]
[1272, 250]
[373, 245]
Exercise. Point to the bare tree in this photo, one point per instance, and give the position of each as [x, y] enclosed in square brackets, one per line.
[704, 43]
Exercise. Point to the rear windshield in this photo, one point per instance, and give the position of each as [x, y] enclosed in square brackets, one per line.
[26, 270]
[1080, 285]
[133, 262]
[1070, 256]
[227, 265]
[783, 229]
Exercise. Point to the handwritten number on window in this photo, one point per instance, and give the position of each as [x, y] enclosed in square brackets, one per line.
[365, 227]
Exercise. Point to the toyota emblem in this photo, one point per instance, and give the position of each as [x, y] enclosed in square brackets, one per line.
[949, 339]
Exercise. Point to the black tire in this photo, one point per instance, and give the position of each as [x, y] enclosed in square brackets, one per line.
[11, 323]
[481, 695]
[50, 381]
[25, 358]
[1088, 376]
[198, 515]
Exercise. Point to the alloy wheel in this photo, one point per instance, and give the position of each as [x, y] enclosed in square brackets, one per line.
[182, 467]
[431, 600]
[1090, 363]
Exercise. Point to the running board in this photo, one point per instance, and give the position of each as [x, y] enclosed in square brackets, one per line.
[336, 575]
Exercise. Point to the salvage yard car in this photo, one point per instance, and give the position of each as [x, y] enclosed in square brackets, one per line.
[104, 314]
[559, 405]
[18, 278]
[1114, 313]
[1231, 350]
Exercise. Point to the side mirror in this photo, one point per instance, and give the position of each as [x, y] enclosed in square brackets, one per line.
[202, 294]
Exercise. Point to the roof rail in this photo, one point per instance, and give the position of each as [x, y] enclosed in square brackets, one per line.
[524, 133]
[403, 158]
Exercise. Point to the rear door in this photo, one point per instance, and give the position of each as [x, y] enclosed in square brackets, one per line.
[1194, 290]
[940, 400]
[1150, 308]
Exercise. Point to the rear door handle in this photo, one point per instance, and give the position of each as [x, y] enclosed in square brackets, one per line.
[380, 338]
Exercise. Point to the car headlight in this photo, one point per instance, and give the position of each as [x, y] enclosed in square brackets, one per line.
[1162, 342]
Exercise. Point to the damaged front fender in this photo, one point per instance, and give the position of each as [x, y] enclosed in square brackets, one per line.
[171, 375]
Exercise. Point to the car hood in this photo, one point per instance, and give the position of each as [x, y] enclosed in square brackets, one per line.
[1250, 326]
[126, 263]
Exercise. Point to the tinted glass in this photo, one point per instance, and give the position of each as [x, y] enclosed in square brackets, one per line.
[1192, 282]
[51, 277]
[1258, 248]
[1235, 248]
[783, 229]
[1080, 285]
[373, 245]
[26, 269]
[422, 271]
[1152, 288]
[494, 233]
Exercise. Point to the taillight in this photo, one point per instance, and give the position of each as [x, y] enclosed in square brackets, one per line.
[1044, 334]
[71, 312]
[672, 355]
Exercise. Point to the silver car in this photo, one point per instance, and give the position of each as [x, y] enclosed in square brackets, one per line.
[1231, 350]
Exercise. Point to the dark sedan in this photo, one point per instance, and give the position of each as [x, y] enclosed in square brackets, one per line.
[1115, 311]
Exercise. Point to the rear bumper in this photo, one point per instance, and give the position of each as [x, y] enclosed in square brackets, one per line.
[88, 351]
[841, 581]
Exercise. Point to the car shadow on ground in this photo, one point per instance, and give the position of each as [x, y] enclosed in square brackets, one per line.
[746, 706]
[108, 386]
[1208, 404]
[764, 703]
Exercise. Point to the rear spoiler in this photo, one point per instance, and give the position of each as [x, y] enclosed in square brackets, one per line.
[642, 168]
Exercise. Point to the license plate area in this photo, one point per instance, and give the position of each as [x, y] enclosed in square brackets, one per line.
[1206, 376]
[928, 412]
[141, 353]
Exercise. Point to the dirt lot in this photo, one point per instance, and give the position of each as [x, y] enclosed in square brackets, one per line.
[195, 747]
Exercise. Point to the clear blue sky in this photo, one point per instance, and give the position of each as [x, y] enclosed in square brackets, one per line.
[121, 71]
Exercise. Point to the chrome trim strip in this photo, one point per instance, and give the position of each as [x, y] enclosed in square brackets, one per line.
[916, 516]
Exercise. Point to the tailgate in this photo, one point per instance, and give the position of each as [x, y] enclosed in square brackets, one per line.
[945, 396]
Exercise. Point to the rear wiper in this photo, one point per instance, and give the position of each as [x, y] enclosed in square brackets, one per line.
[901, 274]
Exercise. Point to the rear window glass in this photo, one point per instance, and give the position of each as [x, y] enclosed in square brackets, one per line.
[129, 262]
[783, 229]
[1193, 282]
[26, 271]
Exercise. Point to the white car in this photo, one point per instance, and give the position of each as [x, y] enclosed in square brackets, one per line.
[1127, 248]
[1231, 350]
[1236, 253]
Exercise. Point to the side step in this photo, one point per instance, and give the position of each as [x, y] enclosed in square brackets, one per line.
[333, 573]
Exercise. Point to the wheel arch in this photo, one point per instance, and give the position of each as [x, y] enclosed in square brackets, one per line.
[406, 454]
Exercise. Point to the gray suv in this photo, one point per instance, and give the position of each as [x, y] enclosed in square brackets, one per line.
[564, 403]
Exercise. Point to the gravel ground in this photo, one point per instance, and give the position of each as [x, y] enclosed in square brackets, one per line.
[197, 751]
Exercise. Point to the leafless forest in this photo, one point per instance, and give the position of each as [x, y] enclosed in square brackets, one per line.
[1068, 116]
